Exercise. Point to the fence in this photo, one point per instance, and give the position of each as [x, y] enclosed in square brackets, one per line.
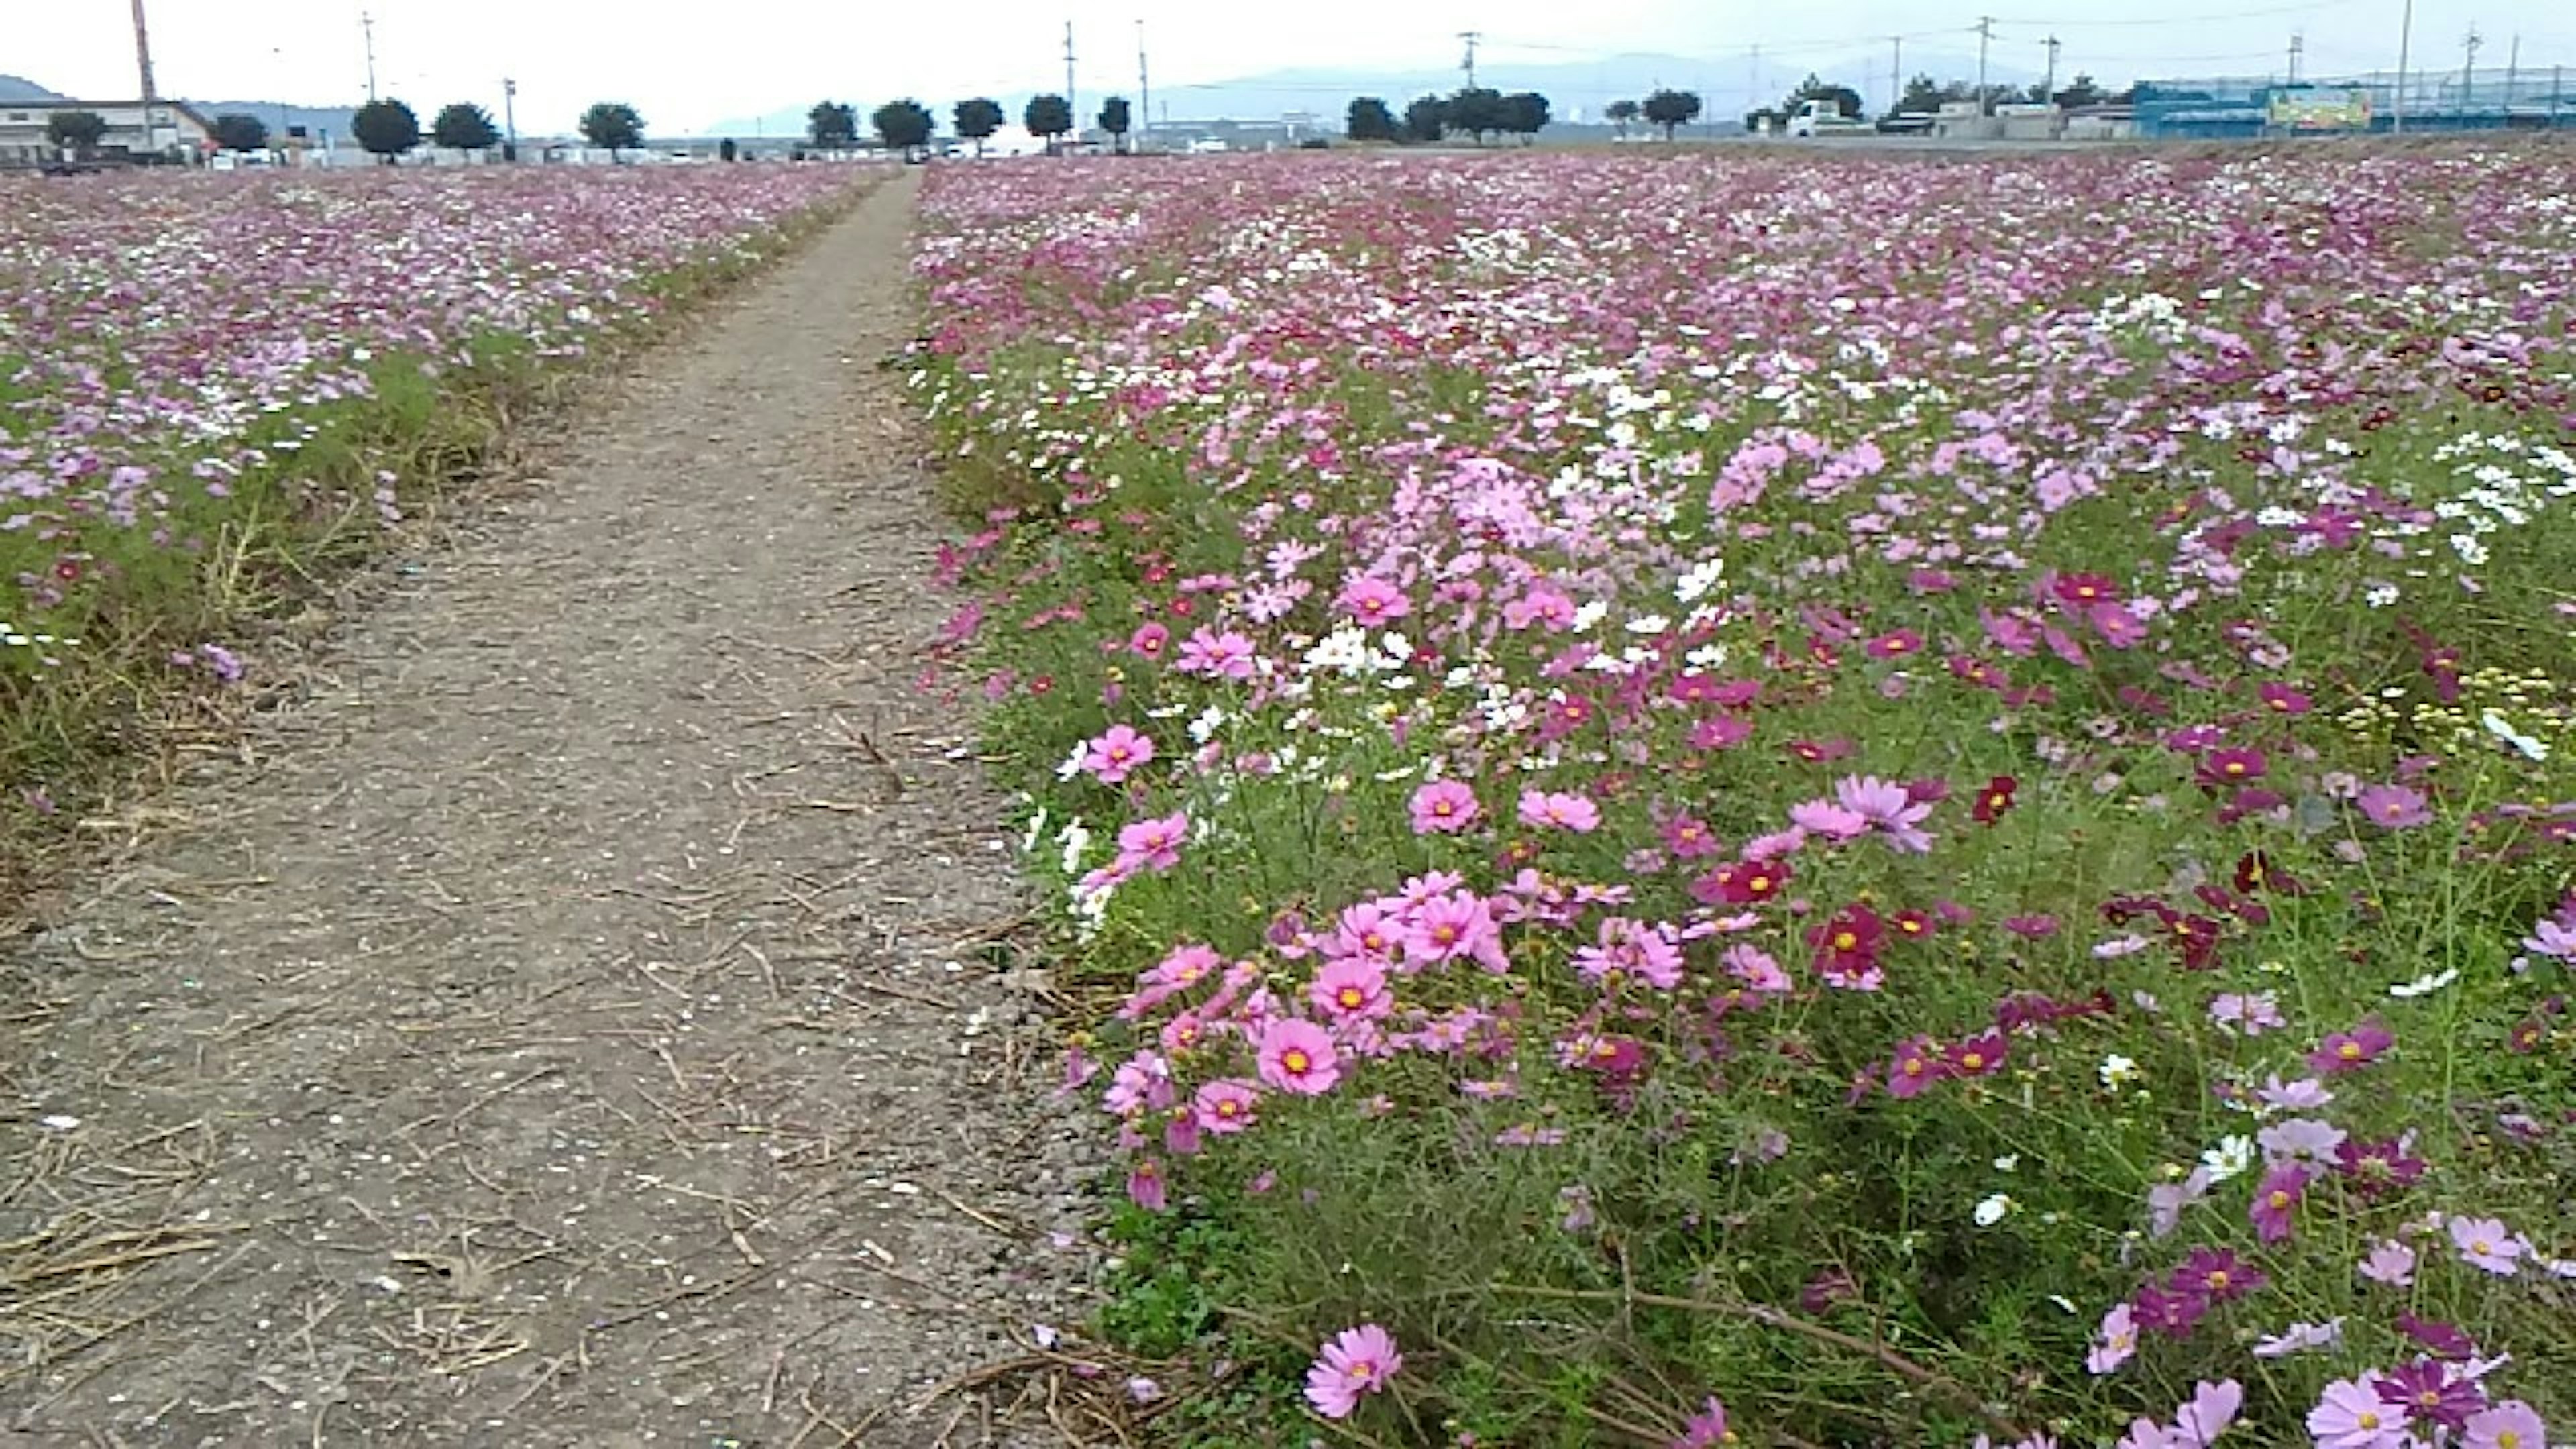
[2527, 98]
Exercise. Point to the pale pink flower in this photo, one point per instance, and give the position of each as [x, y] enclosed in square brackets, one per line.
[2389, 1262]
[2114, 1342]
[1545, 809]
[1354, 1362]
[1443, 807]
[2487, 1243]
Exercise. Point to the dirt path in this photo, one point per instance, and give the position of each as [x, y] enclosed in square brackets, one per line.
[575, 1028]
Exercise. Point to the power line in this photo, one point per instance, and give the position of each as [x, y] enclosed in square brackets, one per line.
[2172, 20]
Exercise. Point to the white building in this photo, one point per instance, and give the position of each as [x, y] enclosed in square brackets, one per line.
[173, 126]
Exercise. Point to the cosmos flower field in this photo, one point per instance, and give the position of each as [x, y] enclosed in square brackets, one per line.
[1798, 801]
[210, 384]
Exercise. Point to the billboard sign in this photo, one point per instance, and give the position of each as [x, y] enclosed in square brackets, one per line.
[2321, 109]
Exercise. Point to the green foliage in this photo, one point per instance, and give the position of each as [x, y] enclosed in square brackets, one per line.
[464, 126]
[977, 119]
[832, 125]
[1115, 117]
[1524, 114]
[1048, 115]
[386, 128]
[1671, 110]
[904, 125]
[1622, 114]
[1369, 120]
[76, 131]
[614, 125]
[235, 131]
[1427, 119]
[2083, 92]
[1476, 110]
[1846, 101]
[1923, 94]
[728, 151]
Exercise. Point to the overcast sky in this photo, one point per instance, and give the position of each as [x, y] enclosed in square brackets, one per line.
[685, 67]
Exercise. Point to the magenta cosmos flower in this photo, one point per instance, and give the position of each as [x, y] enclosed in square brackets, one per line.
[1117, 753]
[1297, 1056]
[1706, 1429]
[1443, 807]
[2350, 1051]
[1154, 844]
[1353, 1362]
[2276, 1199]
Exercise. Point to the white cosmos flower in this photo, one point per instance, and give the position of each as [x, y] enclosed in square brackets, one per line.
[1993, 1210]
[2230, 1158]
[2426, 985]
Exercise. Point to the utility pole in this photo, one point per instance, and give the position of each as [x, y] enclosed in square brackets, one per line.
[510, 113]
[2512, 73]
[367, 28]
[2469, 66]
[1985, 34]
[1752, 81]
[1471, 37]
[1071, 113]
[1895, 74]
[2298, 45]
[143, 63]
[1144, 93]
[2397, 101]
[2053, 43]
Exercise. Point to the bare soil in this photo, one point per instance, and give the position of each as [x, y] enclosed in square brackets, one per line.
[578, 1019]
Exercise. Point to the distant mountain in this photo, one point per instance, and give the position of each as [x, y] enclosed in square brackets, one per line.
[19, 90]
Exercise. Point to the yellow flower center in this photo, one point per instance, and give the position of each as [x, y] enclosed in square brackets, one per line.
[2217, 1280]
[1913, 1066]
[1845, 940]
[1445, 935]
[2278, 1199]
[2367, 1419]
[1973, 1061]
[2509, 1439]
[1228, 1107]
[1760, 883]
[1295, 1061]
[2350, 1051]
[1361, 1368]
[1351, 999]
[2481, 1246]
[1443, 808]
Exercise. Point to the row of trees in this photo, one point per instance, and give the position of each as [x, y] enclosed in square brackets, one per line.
[1476, 111]
[389, 128]
[907, 125]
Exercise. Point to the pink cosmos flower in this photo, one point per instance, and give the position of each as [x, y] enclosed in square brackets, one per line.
[1225, 1107]
[1373, 601]
[1541, 809]
[2393, 807]
[1827, 819]
[2115, 1342]
[2301, 1141]
[1705, 1429]
[1457, 925]
[1155, 844]
[1889, 808]
[1443, 807]
[1145, 1186]
[1354, 1362]
[2252, 1013]
[1225, 656]
[1297, 1056]
[1756, 969]
[2389, 1262]
[1117, 753]
[2487, 1243]
[2165, 1202]
[1351, 987]
[2198, 1423]
[2275, 1198]
[2511, 1424]
[2349, 1415]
